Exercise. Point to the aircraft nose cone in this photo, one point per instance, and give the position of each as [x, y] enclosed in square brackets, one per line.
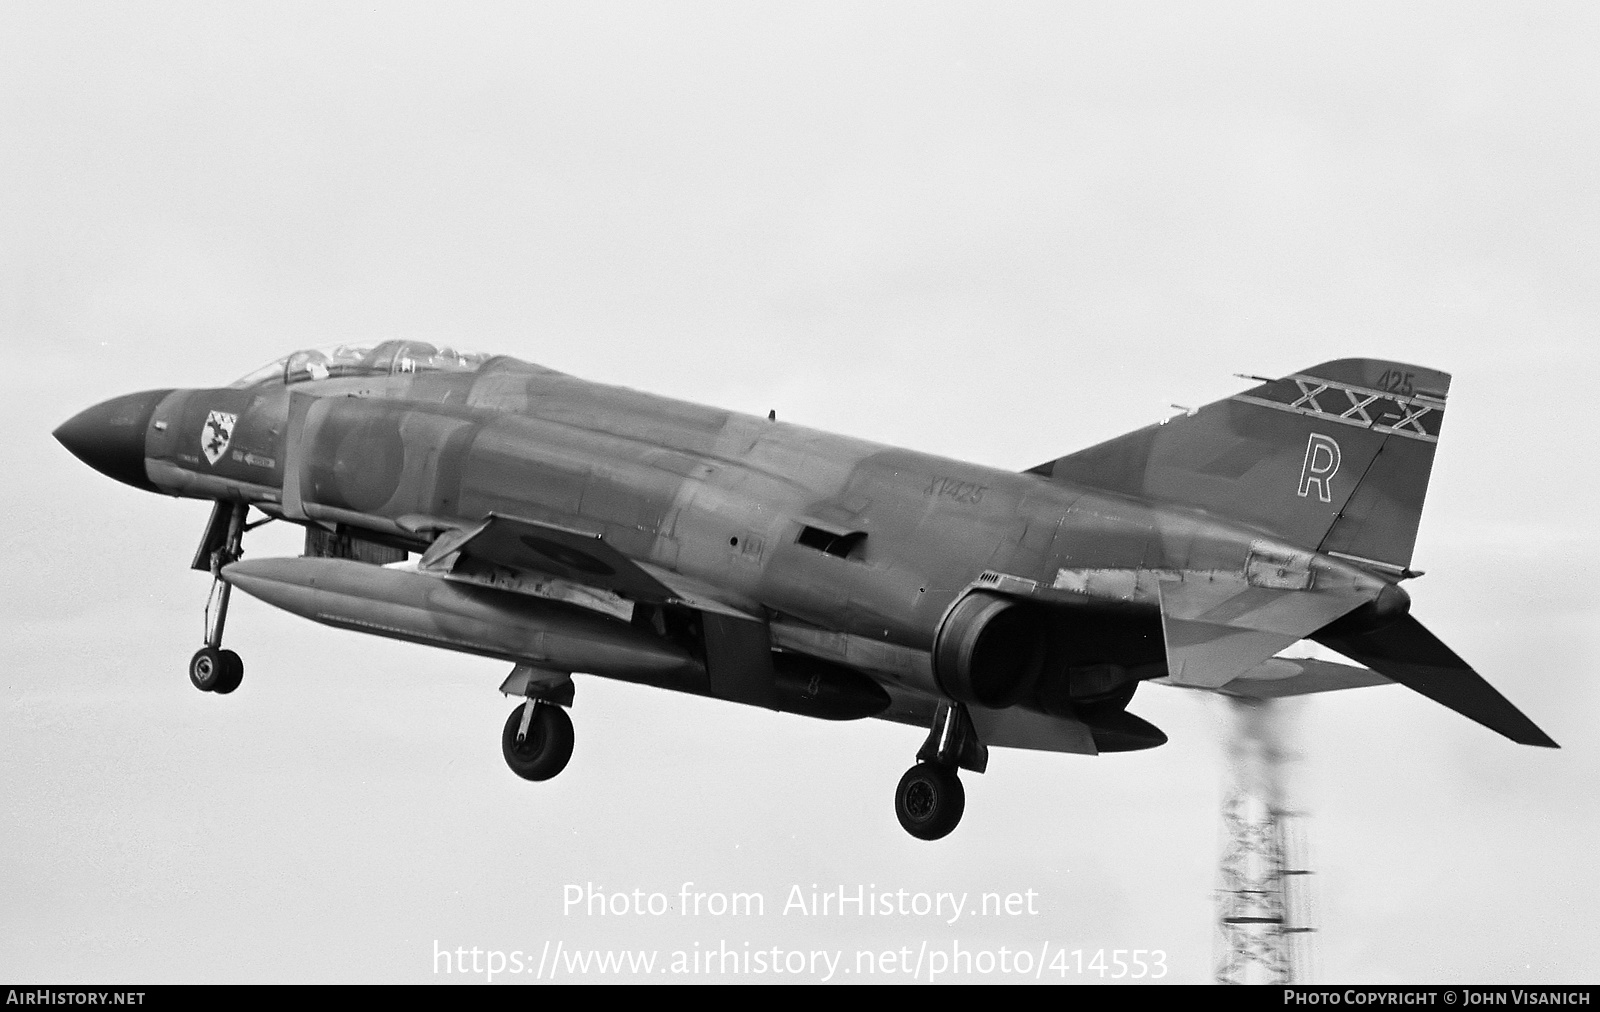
[109, 437]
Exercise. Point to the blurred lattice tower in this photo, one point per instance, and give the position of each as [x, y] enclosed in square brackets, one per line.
[1263, 895]
[1261, 899]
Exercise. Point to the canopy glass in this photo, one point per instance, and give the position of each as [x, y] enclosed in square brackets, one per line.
[387, 359]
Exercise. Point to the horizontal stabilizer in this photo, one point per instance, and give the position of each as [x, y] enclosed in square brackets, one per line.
[1277, 677]
[1408, 653]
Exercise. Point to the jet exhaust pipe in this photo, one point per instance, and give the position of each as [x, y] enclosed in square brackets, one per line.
[407, 605]
[988, 651]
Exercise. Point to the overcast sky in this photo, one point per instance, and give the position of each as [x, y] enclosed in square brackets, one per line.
[996, 232]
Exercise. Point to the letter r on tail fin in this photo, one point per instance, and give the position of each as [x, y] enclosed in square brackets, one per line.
[1322, 463]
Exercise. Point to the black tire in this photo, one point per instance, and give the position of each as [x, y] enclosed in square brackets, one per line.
[929, 801]
[207, 668]
[546, 749]
[232, 673]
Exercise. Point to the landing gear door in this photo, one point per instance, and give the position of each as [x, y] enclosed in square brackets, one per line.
[739, 659]
[215, 536]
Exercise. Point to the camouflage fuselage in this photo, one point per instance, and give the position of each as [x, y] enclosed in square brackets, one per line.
[719, 497]
[770, 564]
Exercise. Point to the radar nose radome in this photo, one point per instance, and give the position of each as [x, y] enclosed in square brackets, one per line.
[110, 436]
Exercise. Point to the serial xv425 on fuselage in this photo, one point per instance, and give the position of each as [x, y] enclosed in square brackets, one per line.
[567, 526]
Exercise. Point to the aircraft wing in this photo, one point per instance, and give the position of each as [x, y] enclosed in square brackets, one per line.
[530, 546]
[738, 647]
[578, 557]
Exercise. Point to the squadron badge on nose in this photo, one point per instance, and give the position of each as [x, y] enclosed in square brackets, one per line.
[216, 434]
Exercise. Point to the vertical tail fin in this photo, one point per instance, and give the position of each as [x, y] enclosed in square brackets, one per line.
[1334, 458]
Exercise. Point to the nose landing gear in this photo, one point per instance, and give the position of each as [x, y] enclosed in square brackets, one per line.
[213, 669]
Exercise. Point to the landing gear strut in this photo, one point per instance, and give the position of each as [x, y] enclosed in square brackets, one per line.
[213, 669]
[930, 799]
[537, 740]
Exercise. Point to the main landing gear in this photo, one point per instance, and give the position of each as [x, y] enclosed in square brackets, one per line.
[537, 740]
[930, 799]
[213, 669]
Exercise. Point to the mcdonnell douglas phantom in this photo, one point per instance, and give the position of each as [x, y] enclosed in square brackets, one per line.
[566, 526]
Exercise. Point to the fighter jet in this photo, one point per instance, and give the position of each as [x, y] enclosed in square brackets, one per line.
[495, 507]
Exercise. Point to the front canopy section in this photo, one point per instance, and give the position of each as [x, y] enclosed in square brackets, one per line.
[389, 358]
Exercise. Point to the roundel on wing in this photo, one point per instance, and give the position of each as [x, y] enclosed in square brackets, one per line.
[571, 558]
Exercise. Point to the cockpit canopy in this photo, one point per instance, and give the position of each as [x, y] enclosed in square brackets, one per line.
[391, 358]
